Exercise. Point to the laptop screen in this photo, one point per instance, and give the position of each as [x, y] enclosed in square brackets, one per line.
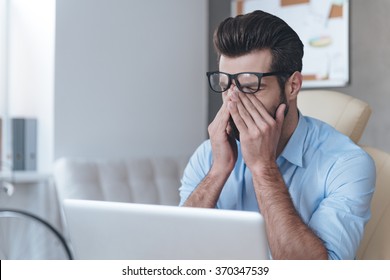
[114, 230]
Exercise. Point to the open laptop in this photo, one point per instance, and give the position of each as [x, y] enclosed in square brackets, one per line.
[113, 230]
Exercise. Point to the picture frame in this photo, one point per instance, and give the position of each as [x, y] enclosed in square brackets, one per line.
[323, 26]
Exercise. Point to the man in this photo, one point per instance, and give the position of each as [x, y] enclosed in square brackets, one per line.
[312, 185]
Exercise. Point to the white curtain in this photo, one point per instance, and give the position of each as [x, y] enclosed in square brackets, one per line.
[5, 140]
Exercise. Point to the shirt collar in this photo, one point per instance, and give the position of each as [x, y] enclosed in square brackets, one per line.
[293, 152]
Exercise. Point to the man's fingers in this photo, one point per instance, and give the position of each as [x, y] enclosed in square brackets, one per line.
[257, 108]
[236, 115]
[280, 113]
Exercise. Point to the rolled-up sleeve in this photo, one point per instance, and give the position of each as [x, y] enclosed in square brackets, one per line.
[196, 169]
[341, 216]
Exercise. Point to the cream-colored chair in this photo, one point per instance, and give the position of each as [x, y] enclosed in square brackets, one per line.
[150, 180]
[350, 116]
[347, 114]
[376, 241]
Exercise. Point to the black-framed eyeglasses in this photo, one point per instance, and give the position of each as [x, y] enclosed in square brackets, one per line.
[246, 82]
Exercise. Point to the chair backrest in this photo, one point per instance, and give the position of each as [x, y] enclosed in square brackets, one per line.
[347, 114]
[138, 180]
[376, 240]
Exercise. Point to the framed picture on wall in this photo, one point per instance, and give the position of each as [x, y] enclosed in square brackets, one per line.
[323, 26]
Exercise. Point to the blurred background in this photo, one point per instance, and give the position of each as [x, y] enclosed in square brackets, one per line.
[126, 78]
[113, 79]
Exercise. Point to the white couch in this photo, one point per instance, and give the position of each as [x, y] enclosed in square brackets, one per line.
[140, 180]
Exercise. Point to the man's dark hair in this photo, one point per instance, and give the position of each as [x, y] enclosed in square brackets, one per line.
[259, 31]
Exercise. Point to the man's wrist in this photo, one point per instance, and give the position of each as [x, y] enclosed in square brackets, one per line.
[219, 172]
[267, 171]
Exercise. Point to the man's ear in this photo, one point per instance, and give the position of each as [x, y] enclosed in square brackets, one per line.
[293, 85]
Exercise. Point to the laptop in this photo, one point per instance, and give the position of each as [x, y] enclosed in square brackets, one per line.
[129, 231]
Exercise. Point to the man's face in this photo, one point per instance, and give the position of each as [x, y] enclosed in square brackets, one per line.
[259, 61]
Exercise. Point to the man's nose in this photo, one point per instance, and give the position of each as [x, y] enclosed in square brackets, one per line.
[233, 90]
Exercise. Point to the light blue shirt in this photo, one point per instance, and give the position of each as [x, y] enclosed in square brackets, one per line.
[330, 179]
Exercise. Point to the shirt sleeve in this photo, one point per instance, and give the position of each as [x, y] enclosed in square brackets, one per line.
[340, 218]
[195, 171]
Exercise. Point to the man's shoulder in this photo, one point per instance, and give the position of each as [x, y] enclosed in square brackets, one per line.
[203, 152]
[326, 139]
[321, 132]
[204, 147]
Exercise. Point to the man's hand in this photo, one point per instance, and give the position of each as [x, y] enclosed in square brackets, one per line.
[288, 236]
[259, 131]
[223, 143]
[224, 149]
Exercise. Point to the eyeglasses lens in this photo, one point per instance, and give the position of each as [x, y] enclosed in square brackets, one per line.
[219, 82]
[246, 82]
